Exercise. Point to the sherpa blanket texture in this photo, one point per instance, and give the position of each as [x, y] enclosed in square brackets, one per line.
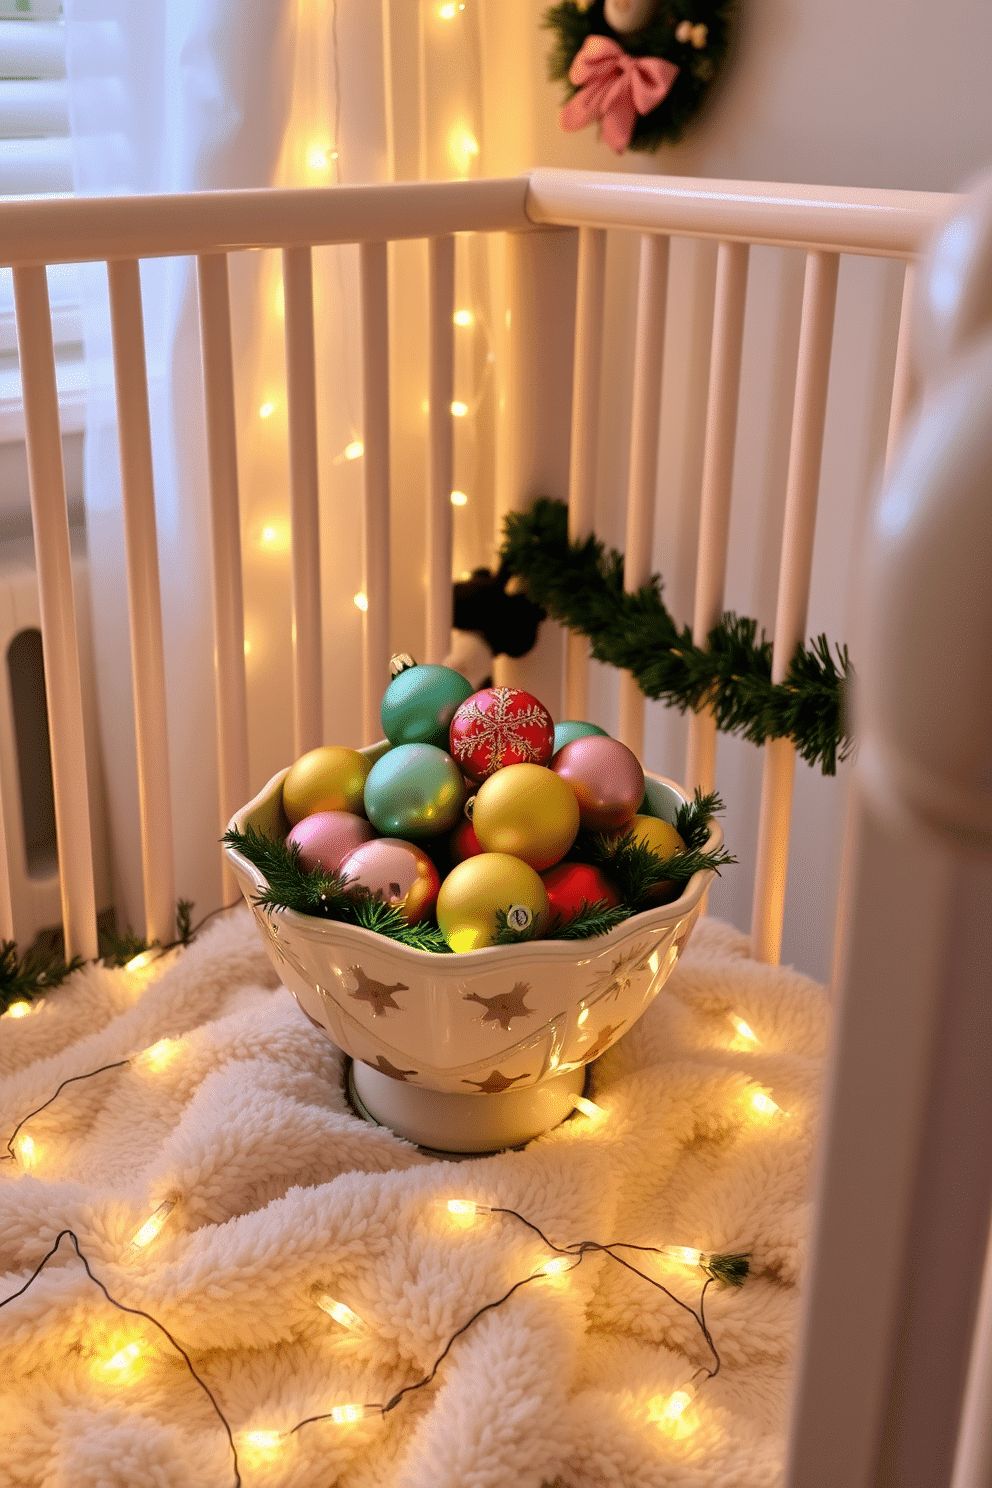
[283, 1186]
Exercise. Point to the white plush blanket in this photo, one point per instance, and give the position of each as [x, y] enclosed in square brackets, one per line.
[282, 1186]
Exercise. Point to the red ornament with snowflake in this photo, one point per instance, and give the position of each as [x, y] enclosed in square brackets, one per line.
[501, 726]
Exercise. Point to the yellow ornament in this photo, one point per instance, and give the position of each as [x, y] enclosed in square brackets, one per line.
[331, 778]
[477, 889]
[529, 811]
[662, 838]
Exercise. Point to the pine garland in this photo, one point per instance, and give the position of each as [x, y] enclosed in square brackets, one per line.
[581, 586]
[22, 979]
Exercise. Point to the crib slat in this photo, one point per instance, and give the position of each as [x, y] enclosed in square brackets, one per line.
[301, 390]
[902, 380]
[375, 404]
[589, 295]
[649, 351]
[802, 491]
[228, 597]
[63, 691]
[144, 601]
[718, 472]
[440, 444]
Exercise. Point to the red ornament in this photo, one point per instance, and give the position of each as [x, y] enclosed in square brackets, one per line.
[501, 726]
[463, 843]
[570, 885]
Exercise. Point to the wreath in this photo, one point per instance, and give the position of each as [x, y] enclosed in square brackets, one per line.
[642, 68]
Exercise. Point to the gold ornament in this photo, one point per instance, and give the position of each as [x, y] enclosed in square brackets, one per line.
[662, 838]
[475, 890]
[331, 778]
[528, 811]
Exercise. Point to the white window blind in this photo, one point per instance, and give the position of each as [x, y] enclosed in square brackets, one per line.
[36, 160]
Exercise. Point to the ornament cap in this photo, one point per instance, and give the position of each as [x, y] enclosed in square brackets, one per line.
[400, 661]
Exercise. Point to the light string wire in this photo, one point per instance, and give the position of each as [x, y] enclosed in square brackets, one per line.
[575, 1251]
[10, 1155]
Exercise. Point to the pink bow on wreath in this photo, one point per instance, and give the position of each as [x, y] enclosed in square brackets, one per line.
[614, 88]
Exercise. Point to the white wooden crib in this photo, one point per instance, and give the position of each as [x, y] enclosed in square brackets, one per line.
[905, 1181]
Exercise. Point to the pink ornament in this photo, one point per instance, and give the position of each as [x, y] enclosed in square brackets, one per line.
[607, 780]
[396, 872]
[327, 836]
[501, 726]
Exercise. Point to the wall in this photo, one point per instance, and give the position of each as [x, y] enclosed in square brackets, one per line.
[894, 95]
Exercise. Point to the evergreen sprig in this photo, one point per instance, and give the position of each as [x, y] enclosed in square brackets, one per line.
[23, 978]
[313, 892]
[589, 920]
[731, 1270]
[581, 585]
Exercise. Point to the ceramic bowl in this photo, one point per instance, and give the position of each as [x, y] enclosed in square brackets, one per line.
[501, 1022]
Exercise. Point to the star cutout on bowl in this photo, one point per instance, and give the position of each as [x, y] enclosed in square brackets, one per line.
[384, 1067]
[505, 1006]
[495, 1083]
[376, 994]
[605, 1038]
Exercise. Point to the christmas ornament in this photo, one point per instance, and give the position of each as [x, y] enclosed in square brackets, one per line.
[642, 69]
[663, 840]
[607, 780]
[626, 16]
[528, 811]
[416, 790]
[572, 885]
[573, 728]
[327, 836]
[399, 662]
[463, 843]
[475, 890]
[419, 704]
[501, 726]
[330, 778]
[731, 668]
[398, 873]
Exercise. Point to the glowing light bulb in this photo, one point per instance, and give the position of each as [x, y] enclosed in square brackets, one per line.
[557, 1266]
[458, 498]
[361, 601]
[26, 1151]
[143, 958]
[765, 1106]
[152, 1226]
[269, 534]
[463, 148]
[267, 410]
[744, 1030]
[588, 1108]
[121, 1362]
[466, 1206]
[318, 157]
[247, 647]
[684, 1254]
[341, 1313]
[463, 317]
[18, 1009]
[345, 1415]
[459, 409]
[355, 450]
[159, 1055]
[449, 11]
[258, 1445]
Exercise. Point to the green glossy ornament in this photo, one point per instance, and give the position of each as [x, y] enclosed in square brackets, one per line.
[416, 790]
[572, 728]
[420, 702]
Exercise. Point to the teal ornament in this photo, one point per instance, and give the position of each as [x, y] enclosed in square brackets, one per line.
[416, 790]
[571, 729]
[420, 702]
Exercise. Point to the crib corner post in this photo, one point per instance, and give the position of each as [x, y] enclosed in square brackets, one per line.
[535, 412]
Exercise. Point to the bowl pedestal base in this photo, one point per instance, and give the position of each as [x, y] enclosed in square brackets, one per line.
[464, 1123]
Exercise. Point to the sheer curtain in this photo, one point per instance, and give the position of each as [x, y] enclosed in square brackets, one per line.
[192, 96]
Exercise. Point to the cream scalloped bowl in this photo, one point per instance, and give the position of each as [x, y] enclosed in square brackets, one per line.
[477, 1051]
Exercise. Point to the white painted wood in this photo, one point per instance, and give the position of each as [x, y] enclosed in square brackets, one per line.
[375, 463]
[304, 495]
[902, 380]
[228, 597]
[802, 491]
[440, 443]
[587, 371]
[649, 352]
[49, 517]
[840, 219]
[144, 600]
[718, 473]
[973, 1462]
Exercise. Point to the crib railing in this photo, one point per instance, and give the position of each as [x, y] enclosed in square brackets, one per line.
[546, 271]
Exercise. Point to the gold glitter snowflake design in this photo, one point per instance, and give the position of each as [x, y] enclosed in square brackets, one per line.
[500, 731]
[618, 979]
